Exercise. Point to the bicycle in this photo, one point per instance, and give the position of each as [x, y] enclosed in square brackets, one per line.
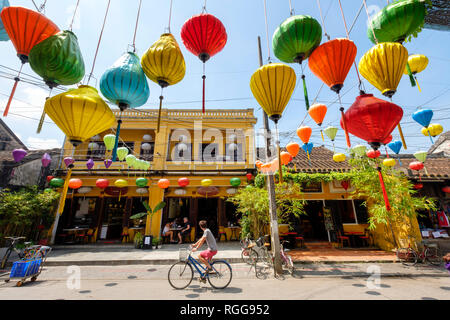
[409, 256]
[26, 252]
[181, 273]
[286, 260]
[263, 247]
[248, 255]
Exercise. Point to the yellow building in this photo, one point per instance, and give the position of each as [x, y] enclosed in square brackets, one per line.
[216, 145]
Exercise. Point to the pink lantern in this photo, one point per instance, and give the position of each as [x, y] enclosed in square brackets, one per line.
[19, 154]
[46, 160]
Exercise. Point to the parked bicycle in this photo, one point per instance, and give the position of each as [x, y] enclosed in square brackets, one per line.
[430, 253]
[182, 272]
[14, 245]
[286, 260]
[248, 254]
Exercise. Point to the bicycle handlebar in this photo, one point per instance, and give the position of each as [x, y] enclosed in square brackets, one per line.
[15, 238]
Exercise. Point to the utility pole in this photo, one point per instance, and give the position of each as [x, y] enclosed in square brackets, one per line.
[275, 238]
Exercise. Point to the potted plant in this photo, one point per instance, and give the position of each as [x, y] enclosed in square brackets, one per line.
[150, 212]
[156, 242]
[138, 238]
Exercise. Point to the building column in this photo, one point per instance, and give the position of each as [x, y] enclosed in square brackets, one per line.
[153, 226]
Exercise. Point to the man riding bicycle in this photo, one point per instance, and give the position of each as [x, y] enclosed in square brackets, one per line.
[206, 255]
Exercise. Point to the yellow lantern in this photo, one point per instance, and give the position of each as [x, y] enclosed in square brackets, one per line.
[272, 86]
[434, 129]
[383, 66]
[389, 162]
[416, 64]
[121, 183]
[80, 113]
[339, 157]
[206, 182]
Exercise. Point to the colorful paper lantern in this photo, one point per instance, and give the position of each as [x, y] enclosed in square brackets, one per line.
[418, 186]
[421, 155]
[131, 160]
[121, 183]
[331, 133]
[372, 119]
[19, 154]
[285, 157]
[359, 150]
[389, 162]
[293, 149]
[345, 184]
[272, 86]
[434, 129]
[69, 161]
[3, 33]
[396, 147]
[122, 152]
[109, 140]
[206, 182]
[373, 154]
[332, 61]
[80, 113]
[383, 66]
[75, 183]
[163, 183]
[49, 178]
[397, 21]
[141, 182]
[93, 146]
[235, 182]
[339, 157]
[56, 183]
[90, 164]
[416, 63]
[108, 163]
[84, 190]
[317, 112]
[416, 165]
[249, 176]
[183, 182]
[102, 183]
[304, 133]
[446, 189]
[204, 36]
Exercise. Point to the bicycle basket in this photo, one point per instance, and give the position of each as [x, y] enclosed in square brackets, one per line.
[260, 242]
[183, 254]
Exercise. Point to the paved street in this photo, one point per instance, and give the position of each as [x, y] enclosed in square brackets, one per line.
[315, 281]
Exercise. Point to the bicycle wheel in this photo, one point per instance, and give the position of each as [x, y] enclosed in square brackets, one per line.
[222, 275]
[5, 258]
[433, 256]
[289, 264]
[407, 256]
[249, 256]
[180, 275]
[267, 257]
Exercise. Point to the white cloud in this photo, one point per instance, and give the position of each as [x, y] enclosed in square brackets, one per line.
[38, 143]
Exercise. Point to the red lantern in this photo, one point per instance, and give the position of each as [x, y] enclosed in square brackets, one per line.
[446, 189]
[372, 119]
[249, 176]
[102, 183]
[373, 154]
[388, 139]
[345, 184]
[183, 182]
[418, 186]
[49, 178]
[163, 183]
[416, 165]
[204, 35]
[75, 183]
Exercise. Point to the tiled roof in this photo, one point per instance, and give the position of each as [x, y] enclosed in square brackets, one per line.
[321, 161]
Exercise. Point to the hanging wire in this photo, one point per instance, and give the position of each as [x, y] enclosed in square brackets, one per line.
[291, 10]
[136, 27]
[370, 22]
[323, 22]
[74, 14]
[204, 7]
[170, 16]
[267, 32]
[99, 41]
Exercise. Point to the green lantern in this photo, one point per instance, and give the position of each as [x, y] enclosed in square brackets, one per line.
[58, 59]
[130, 159]
[398, 21]
[235, 182]
[294, 40]
[331, 132]
[56, 183]
[421, 155]
[141, 182]
[109, 141]
[359, 150]
[122, 152]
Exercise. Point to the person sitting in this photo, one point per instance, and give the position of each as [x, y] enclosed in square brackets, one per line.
[167, 233]
[185, 231]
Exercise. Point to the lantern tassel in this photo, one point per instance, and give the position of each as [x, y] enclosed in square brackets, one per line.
[383, 188]
[305, 92]
[159, 113]
[399, 161]
[116, 142]
[204, 88]
[411, 77]
[347, 137]
[429, 134]
[401, 136]
[418, 86]
[425, 169]
[41, 122]
[321, 133]
[11, 96]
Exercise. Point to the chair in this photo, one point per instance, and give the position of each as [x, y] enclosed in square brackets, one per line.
[366, 238]
[222, 232]
[341, 239]
[79, 237]
[189, 237]
[88, 236]
[301, 240]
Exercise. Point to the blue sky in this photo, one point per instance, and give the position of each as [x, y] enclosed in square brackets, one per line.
[229, 72]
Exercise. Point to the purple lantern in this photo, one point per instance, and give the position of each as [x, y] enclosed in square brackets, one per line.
[19, 154]
[68, 161]
[90, 164]
[46, 160]
[108, 163]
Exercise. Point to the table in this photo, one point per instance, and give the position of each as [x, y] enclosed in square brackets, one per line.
[234, 234]
[175, 232]
[353, 236]
[74, 231]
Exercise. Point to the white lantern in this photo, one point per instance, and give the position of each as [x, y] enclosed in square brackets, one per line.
[182, 147]
[146, 146]
[231, 190]
[93, 146]
[180, 192]
[233, 137]
[147, 137]
[142, 190]
[96, 138]
[232, 147]
[84, 190]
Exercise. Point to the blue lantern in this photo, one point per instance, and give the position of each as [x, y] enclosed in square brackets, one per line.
[396, 146]
[125, 84]
[423, 117]
[3, 35]
[307, 147]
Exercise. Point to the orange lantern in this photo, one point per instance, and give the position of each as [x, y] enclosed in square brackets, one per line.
[304, 133]
[26, 28]
[163, 183]
[258, 164]
[293, 148]
[285, 157]
[75, 183]
[318, 112]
